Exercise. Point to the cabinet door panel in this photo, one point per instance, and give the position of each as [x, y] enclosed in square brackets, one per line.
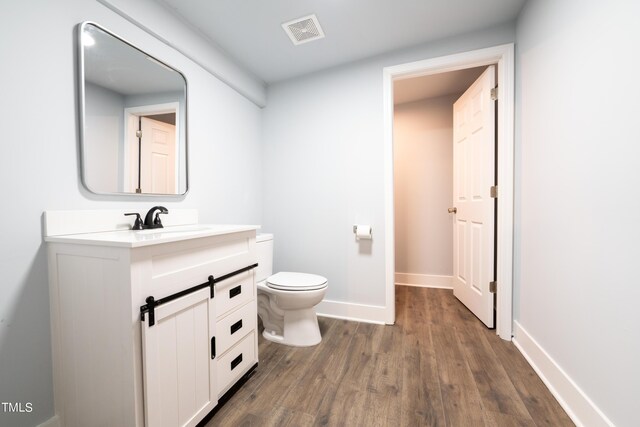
[179, 374]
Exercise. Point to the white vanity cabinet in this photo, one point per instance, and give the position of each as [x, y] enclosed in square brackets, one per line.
[121, 358]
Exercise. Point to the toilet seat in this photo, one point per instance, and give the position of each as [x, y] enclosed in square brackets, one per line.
[288, 281]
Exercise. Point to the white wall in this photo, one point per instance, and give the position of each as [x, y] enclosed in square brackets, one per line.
[323, 168]
[40, 171]
[578, 156]
[423, 186]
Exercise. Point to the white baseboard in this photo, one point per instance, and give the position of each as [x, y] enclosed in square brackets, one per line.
[581, 410]
[349, 311]
[51, 422]
[424, 280]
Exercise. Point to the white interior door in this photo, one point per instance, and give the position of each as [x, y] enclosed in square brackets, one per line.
[473, 176]
[158, 157]
[179, 373]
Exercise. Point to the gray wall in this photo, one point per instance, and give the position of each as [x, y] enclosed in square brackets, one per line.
[323, 168]
[40, 170]
[103, 145]
[423, 186]
[578, 196]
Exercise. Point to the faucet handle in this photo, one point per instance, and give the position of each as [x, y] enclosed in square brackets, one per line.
[156, 220]
[137, 225]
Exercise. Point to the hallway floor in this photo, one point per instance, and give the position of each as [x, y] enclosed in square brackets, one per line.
[438, 365]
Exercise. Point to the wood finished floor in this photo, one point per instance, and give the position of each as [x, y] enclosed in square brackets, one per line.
[437, 366]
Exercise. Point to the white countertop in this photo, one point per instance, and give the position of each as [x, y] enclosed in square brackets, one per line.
[135, 239]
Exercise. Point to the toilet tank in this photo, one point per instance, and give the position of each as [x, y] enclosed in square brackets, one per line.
[264, 248]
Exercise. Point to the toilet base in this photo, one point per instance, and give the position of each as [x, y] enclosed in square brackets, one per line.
[300, 329]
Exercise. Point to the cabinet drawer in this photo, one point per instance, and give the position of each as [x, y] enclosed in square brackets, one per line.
[235, 325]
[235, 362]
[234, 292]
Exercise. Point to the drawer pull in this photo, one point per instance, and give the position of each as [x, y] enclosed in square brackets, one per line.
[234, 292]
[235, 362]
[236, 327]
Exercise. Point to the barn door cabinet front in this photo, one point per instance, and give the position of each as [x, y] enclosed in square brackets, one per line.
[179, 371]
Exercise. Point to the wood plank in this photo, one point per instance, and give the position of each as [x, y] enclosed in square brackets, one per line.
[462, 406]
[282, 377]
[495, 419]
[357, 365]
[281, 416]
[342, 406]
[460, 396]
[383, 400]
[421, 395]
[496, 390]
[542, 406]
[300, 419]
[452, 366]
[416, 312]
[387, 339]
[232, 415]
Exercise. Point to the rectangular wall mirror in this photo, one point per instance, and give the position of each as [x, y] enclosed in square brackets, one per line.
[133, 118]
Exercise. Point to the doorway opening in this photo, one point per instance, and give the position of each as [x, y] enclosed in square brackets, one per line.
[434, 177]
[502, 58]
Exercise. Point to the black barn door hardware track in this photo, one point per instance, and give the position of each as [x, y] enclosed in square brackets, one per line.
[152, 303]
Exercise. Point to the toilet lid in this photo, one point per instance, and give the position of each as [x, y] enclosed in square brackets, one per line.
[296, 281]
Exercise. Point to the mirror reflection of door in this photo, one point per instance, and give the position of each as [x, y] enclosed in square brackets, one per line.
[158, 157]
[151, 140]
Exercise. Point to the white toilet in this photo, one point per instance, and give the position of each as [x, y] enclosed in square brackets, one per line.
[286, 301]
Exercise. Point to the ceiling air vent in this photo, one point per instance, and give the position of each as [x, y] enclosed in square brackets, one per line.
[303, 30]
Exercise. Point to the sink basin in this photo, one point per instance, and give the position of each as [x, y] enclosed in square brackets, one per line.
[176, 229]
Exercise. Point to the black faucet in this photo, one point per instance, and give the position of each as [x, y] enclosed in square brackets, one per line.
[150, 221]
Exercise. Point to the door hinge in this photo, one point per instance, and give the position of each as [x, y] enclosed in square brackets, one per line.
[494, 191]
[494, 94]
[493, 287]
[138, 134]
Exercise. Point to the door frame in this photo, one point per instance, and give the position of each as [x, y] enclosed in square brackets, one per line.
[502, 56]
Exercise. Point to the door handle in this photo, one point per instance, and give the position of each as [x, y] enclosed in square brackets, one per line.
[452, 210]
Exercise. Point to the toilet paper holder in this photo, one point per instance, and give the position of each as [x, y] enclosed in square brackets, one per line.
[355, 231]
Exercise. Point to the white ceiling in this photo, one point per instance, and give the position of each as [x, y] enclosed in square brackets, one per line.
[435, 85]
[115, 65]
[250, 30]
